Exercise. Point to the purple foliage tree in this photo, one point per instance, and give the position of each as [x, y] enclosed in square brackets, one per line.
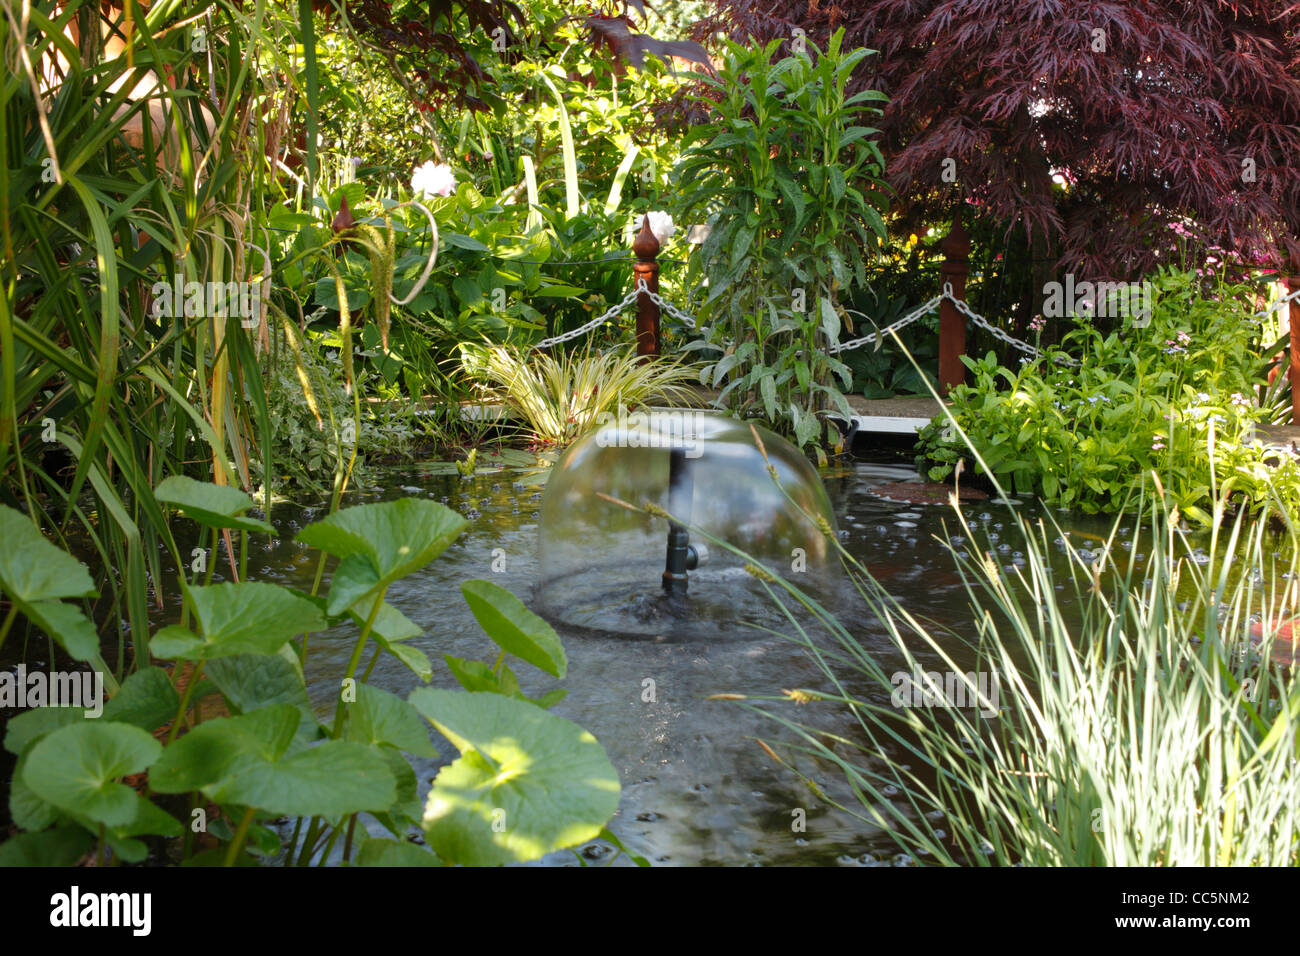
[1091, 126]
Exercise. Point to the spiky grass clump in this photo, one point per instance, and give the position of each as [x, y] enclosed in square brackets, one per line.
[561, 396]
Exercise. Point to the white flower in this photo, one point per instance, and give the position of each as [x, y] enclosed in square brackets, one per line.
[661, 224]
[433, 179]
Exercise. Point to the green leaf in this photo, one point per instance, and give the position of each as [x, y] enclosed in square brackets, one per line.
[543, 781]
[390, 623]
[215, 506]
[61, 846]
[475, 676]
[334, 778]
[30, 726]
[252, 681]
[414, 658]
[398, 537]
[377, 852]
[146, 700]
[32, 569]
[353, 579]
[609, 837]
[515, 629]
[67, 625]
[77, 768]
[257, 760]
[378, 717]
[250, 617]
[28, 810]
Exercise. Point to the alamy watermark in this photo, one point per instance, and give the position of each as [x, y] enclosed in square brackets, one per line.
[947, 689]
[217, 300]
[654, 429]
[84, 689]
[1098, 299]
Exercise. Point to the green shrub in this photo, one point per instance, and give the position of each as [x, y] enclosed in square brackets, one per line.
[789, 180]
[1079, 424]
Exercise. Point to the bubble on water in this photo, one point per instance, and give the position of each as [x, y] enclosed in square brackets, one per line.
[907, 515]
[902, 859]
[411, 489]
[1004, 548]
[904, 524]
[890, 790]
[985, 516]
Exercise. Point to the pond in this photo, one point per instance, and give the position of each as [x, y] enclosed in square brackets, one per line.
[697, 787]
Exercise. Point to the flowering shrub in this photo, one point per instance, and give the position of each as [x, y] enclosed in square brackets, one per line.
[1138, 400]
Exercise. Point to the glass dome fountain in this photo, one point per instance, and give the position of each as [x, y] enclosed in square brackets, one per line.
[609, 569]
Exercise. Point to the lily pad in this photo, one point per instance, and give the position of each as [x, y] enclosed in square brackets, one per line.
[527, 782]
[216, 506]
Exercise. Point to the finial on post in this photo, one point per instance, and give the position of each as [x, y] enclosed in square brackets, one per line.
[646, 269]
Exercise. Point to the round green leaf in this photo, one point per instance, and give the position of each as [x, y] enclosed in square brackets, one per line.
[246, 618]
[398, 537]
[527, 782]
[77, 769]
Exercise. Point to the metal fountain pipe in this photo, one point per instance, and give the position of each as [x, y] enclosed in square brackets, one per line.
[681, 556]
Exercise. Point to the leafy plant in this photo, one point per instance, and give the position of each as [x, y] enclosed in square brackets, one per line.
[1081, 422]
[527, 782]
[789, 182]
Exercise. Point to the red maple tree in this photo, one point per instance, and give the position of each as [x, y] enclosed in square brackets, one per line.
[1147, 112]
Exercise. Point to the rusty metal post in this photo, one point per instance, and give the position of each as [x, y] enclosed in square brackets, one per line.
[646, 248]
[1292, 283]
[952, 324]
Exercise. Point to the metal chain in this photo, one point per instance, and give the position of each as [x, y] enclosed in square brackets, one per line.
[615, 309]
[1277, 306]
[684, 317]
[601, 319]
[892, 327]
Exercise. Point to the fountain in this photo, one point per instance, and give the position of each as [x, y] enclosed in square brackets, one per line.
[650, 571]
